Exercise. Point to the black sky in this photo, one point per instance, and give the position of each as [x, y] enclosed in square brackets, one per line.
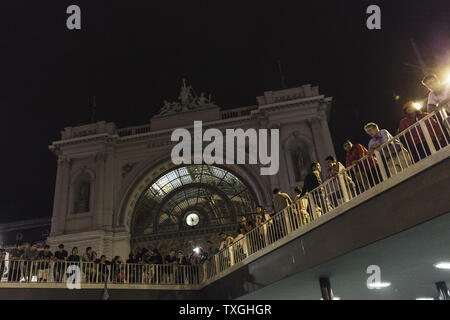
[133, 54]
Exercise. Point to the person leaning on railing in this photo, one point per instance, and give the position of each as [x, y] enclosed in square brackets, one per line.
[439, 96]
[334, 169]
[44, 258]
[247, 225]
[88, 267]
[364, 170]
[31, 264]
[394, 154]
[241, 245]
[170, 261]
[117, 270]
[60, 257]
[103, 270]
[439, 100]
[131, 268]
[415, 137]
[312, 185]
[73, 259]
[301, 206]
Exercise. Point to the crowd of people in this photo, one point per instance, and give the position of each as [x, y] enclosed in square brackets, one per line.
[365, 173]
[26, 262]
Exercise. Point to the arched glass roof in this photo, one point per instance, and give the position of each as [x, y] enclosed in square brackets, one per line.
[217, 194]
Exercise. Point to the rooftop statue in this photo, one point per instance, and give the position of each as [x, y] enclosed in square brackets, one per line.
[188, 101]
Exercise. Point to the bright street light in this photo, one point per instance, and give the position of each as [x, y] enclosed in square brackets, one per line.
[379, 285]
[442, 265]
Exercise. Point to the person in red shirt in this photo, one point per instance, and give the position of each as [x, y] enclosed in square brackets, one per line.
[416, 142]
[365, 171]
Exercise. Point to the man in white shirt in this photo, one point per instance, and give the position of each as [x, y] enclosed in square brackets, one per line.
[394, 154]
[439, 96]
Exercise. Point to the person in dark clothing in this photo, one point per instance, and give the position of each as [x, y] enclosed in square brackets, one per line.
[312, 179]
[170, 261]
[155, 257]
[31, 264]
[141, 267]
[44, 257]
[88, 264]
[103, 270]
[154, 260]
[117, 270]
[61, 257]
[209, 252]
[180, 268]
[312, 182]
[73, 259]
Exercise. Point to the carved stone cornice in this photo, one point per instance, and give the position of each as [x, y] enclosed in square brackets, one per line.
[100, 156]
[64, 160]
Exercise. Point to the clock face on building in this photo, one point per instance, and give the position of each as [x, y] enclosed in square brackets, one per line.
[192, 219]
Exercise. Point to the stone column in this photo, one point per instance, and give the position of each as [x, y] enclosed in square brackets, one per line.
[327, 136]
[108, 189]
[97, 216]
[316, 132]
[60, 202]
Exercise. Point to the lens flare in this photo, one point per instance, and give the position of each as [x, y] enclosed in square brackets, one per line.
[416, 105]
[447, 78]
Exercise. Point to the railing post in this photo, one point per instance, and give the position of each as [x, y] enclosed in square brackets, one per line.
[205, 271]
[230, 250]
[312, 203]
[427, 136]
[216, 260]
[245, 246]
[343, 187]
[266, 234]
[381, 165]
[288, 222]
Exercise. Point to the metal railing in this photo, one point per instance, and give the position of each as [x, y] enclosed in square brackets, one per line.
[426, 137]
[418, 142]
[45, 271]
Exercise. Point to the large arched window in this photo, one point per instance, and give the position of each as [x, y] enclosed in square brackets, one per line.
[298, 157]
[81, 193]
[193, 196]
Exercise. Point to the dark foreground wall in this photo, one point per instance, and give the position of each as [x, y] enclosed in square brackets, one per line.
[95, 294]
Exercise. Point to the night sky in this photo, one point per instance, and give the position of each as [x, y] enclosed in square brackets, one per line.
[132, 56]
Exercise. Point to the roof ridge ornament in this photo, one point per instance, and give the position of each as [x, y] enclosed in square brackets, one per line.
[188, 101]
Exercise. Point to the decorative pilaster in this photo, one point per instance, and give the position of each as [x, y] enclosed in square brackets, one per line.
[328, 141]
[60, 202]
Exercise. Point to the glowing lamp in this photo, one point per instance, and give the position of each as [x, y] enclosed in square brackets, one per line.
[447, 78]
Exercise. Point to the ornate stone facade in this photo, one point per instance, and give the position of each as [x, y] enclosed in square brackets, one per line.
[110, 191]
